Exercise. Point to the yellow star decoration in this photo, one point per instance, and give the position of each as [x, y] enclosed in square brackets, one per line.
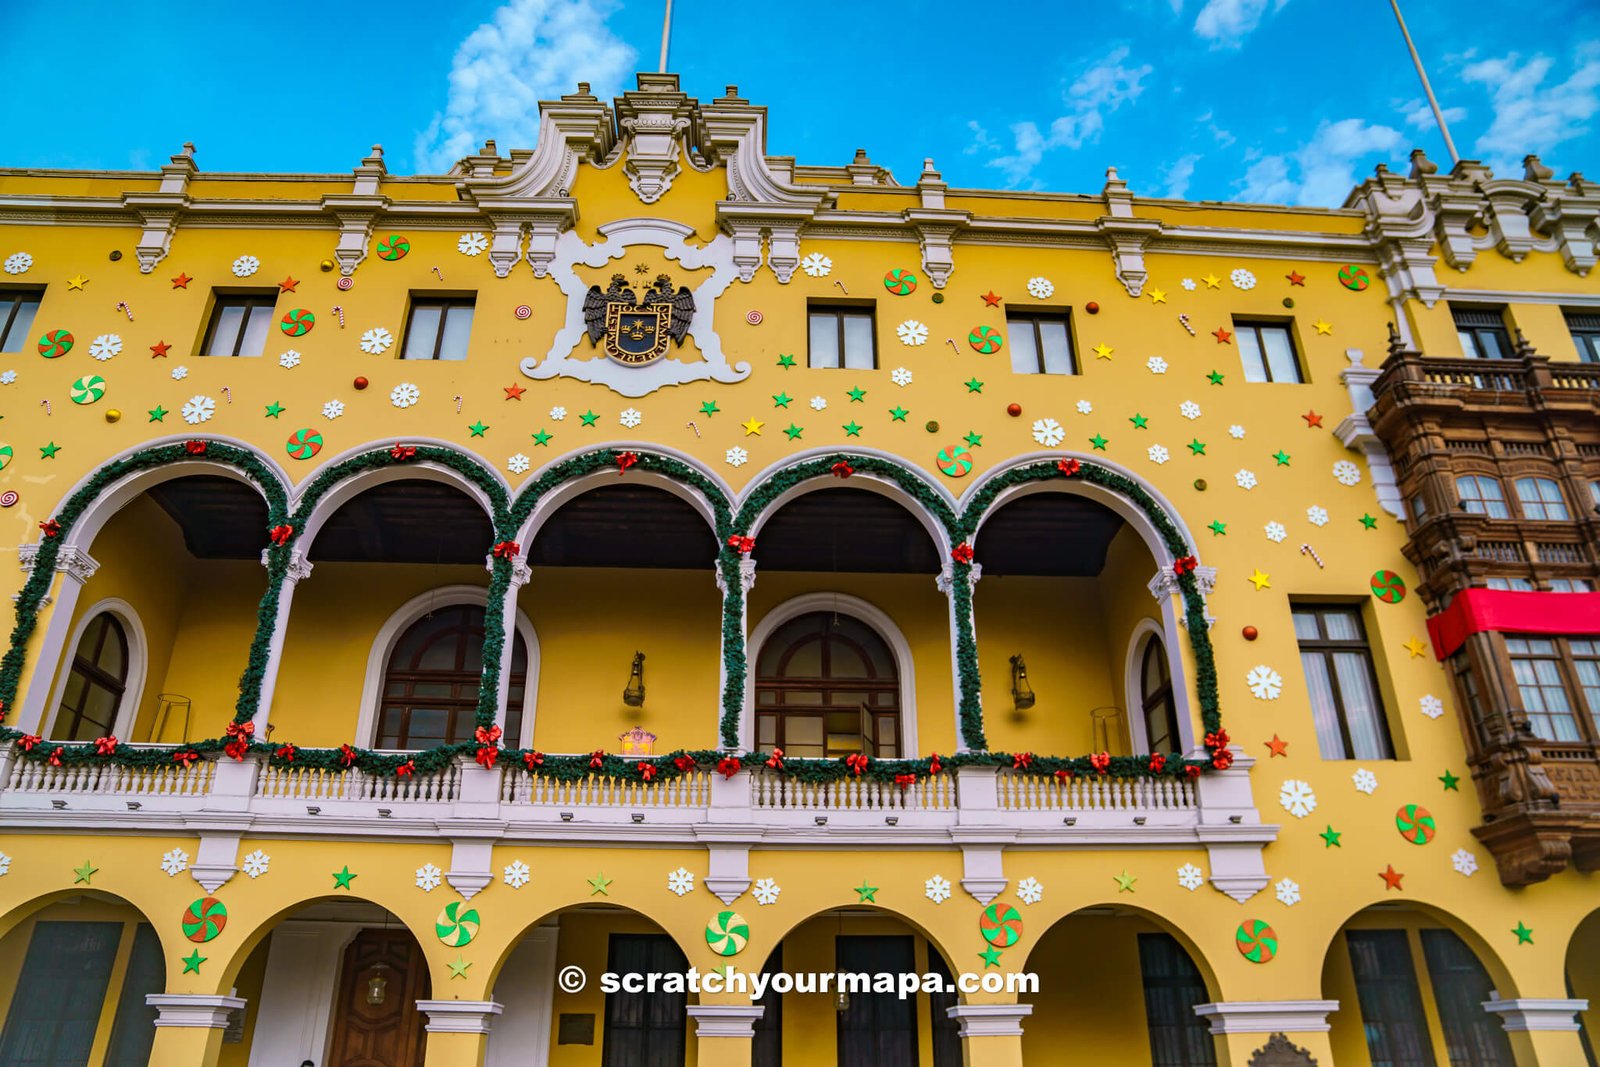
[1415, 647]
[77, 281]
[1125, 881]
[1212, 281]
[1103, 350]
[1158, 296]
[1323, 327]
[1260, 580]
[753, 427]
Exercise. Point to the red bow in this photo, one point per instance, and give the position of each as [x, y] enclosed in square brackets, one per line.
[1184, 565]
[1222, 759]
[1158, 762]
[507, 550]
[186, 757]
[1068, 467]
[775, 761]
[934, 766]
[745, 545]
[626, 460]
[1217, 739]
[55, 757]
[1063, 775]
[286, 753]
[105, 746]
[905, 780]
[281, 534]
[1021, 761]
[195, 448]
[487, 735]
[647, 771]
[403, 452]
[237, 748]
[50, 527]
[241, 729]
[486, 755]
[842, 469]
[856, 762]
[531, 760]
[27, 741]
[596, 758]
[1100, 761]
[962, 553]
[685, 764]
[728, 766]
[406, 769]
[347, 755]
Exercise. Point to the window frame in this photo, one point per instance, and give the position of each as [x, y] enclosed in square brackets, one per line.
[445, 304]
[1197, 1048]
[1465, 502]
[1164, 696]
[1500, 329]
[458, 711]
[1255, 325]
[781, 712]
[1379, 990]
[1539, 482]
[839, 310]
[1584, 713]
[1584, 326]
[134, 666]
[250, 299]
[17, 296]
[1030, 318]
[1327, 647]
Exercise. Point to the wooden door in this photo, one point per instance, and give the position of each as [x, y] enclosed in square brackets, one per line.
[389, 1034]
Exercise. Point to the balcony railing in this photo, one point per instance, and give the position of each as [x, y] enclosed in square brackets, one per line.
[36, 778]
[1413, 376]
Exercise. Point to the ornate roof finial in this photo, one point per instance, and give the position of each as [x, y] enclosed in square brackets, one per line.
[1535, 171]
[1421, 165]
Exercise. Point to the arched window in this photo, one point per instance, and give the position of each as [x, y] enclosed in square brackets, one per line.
[430, 684]
[827, 685]
[1155, 698]
[99, 678]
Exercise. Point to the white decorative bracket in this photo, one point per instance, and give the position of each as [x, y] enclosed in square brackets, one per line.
[1355, 432]
[1231, 828]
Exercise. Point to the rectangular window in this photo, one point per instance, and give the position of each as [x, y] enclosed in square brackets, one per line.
[644, 1029]
[1586, 670]
[61, 990]
[1571, 585]
[1472, 1037]
[438, 328]
[1467, 681]
[1585, 327]
[1541, 499]
[1510, 585]
[842, 337]
[877, 1029]
[1419, 507]
[239, 324]
[1041, 343]
[17, 309]
[1482, 332]
[1172, 987]
[1267, 350]
[1536, 666]
[1482, 495]
[1391, 1002]
[1344, 688]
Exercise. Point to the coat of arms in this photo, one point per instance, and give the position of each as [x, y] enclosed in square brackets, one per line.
[636, 332]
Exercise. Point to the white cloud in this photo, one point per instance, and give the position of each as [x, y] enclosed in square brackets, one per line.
[1420, 116]
[1102, 87]
[1530, 116]
[1323, 170]
[528, 50]
[1177, 177]
[1226, 23]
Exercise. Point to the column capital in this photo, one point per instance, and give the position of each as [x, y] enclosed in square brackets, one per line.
[521, 573]
[1537, 1013]
[195, 1010]
[459, 1016]
[947, 577]
[747, 576]
[77, 563]
[299, 565]
[989, 1020]
[725, 1020]
[1267, 1016]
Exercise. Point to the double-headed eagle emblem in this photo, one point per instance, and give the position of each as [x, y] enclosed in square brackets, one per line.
[636, 332]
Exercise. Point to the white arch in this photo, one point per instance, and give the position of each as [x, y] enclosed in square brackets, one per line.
[420, 470]
[859, 609]
[551, 502]
[1133, 690]
[389, 635]
[138, 665]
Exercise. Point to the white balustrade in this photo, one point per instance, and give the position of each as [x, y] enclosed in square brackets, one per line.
[1021, 792]
[314, 783]
[692, 790]
[29, 776]
[776, 791]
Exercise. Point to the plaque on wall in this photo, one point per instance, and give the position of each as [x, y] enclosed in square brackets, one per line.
[574, 1028]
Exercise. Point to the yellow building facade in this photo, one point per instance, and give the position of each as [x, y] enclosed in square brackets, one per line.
[642, 553]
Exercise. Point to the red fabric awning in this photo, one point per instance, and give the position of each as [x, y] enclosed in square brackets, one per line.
[1477, 610]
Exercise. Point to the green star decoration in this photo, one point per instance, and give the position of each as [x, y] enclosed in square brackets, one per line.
[192, 962]
[1125, 881]
[1216, 377]
[1282, 457]
[866, 893]
[990, 957]
[1219, 528]
[458, 967]
[1369, 522]
[974, 386]
[1139, 421]
[709, 407]
[794, 431]
[1524, 934]
[588, 418]
[157, 413]
[1197, 447]
[49, 451]
[343, 878]
[785, 361]
[274, 409]
[1450, 782]
[1099, 442]
[598, 884]
[857, 395]
[541, 438]
[974, 440]
[84, 873]
[477, 428]
[781, 400]
[851, 429]
[1330, 838]
[898, 414]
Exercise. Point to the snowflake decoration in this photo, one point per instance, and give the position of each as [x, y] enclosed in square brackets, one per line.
[245, 266]
[900, 376]
[256, 864]
[818, 403]
[1188, 284]
[1157, 453]
[199, 409]
[1041, 288]
[18, 263]
[1464, 862]
[1236, 432]
[289, 359]
[1030, 891]
[1264, 682]
[912, 332]
[1276, 532]
[404, 395]
[1288, 893]
[1156, 364]
[1189, 410]
[1297, 798]
[680, 881]
[517, 464]
[736, 456]
[517, 872]
[472, 244]
[937, 889]
[333, 409]
[1244, 479]
[766, 891]
[1316, 515]
[376, 341]
[558, 413]
[1365, 781]
[631, 418]
[1190, 877]
[817, 265]
[429, 877]
[1432, 706]
[1084, 407]
[1346, 472]
[105, 346]
[1242, 279]
[1048, 432]
[8, 377]
[179, 373]
[174, 862]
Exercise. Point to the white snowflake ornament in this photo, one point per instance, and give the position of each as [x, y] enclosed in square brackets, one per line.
[472, 244]
[8, 377]
[736, 456]
[766, 891]
[1317, 516]
[1346, 473]
[518, 464]
[404, 395]
[1048, 432]
[289, 359]
[1084, 407]
[1297, 798]
[1236, 432]
[1288, 892]
[429, 877]
[1156, 365]
[179, 373]
[1432, 706]
[1157, 454]
[817, 265]
[333, 409]
[199, 409]
[256, 863]
[1191, 877]
[1188, 284]
[818, 403]
[517, 873]
[174, 862]
[1365, 781]
[1189, 410]
[912, 332]
[1041, 288]
[937, 889]
[245, 266]
[1242, 279]
[1244, 479]
[631, 418]
[18, 263]
[105, 346]
[1276, 532]
[900, 376]
[558, 413]
[376, 341]
[1265, 683]
[1030, 891]
[1465, 863]
[680, 881]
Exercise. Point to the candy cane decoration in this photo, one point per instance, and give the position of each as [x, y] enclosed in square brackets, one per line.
[227, 393]
[436, 271]
[338, 309]
[458, 403]
[1185, 320]
[951, 341]
[842, 289]
[693, 427]
[1307, 550]
[46, 405]
[122, 305]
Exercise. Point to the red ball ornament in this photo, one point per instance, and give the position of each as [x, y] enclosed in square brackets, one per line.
[360, 383]
[1250, 633]
[1013, 410]
[1092, 308]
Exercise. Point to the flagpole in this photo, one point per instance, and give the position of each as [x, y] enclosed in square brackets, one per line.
[666, 36]
[1438, 116]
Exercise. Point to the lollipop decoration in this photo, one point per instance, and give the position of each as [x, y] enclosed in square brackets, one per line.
[727, 933]
[344, 285]
[456, 927]
[204, 919]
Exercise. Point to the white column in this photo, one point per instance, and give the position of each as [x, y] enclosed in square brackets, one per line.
[459, 1016]
[295, 1010]
[193, 1010]
[1268, 1016]
[747, 581]
[521, 574]
[525, 990]
[79, 567]
[1537, 1013]
[299, 568]
[946, 584]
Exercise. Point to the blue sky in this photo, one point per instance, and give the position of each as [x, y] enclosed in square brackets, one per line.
[1283, 101]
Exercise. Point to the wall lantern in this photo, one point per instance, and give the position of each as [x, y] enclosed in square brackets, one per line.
[378, 985]
[633, 695]
[1021, 691]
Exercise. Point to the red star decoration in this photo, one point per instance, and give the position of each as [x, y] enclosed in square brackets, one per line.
[1222, 335]
[159, 349]
[990, 300]
[1312, 419]
[288, 284]
[181, 281]
[514, 392]
[1391, 878]
[1296, 278]
[1277, 746]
